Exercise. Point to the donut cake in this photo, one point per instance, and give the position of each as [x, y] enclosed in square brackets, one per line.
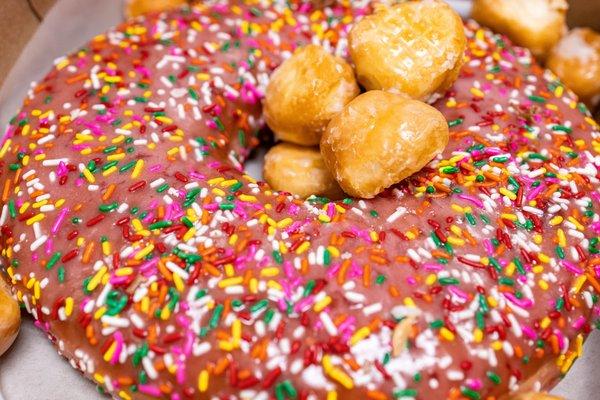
[161, 270]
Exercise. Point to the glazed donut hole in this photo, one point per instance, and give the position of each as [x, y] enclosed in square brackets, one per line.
[414, 48]
[576, 61]
[300, 170]
[535, 24]
[10, 318]
[381, 138]
[368, 143]
[305, 92]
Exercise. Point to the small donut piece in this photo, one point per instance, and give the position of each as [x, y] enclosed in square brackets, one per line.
[10, 318]
[134, 8]
[305, 92]
[415, 48]
[535, 24]
[379, 139]
[576, 61]
[299, 170]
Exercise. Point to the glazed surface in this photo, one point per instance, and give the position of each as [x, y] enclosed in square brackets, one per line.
[160, 270]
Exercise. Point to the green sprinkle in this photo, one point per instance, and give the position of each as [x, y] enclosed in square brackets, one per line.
[470, 393]
[214, 319]
[493, 377]
[537, 99]
[448, 281]
[455, 122]
[160, 225]
[219, 124]
[53, 260]
[259, 305]
[405, 393]
[108, 207]
[11, 208]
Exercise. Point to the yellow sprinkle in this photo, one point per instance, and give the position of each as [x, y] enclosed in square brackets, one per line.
[324, 218]
[497, 345]
[99, 378]
[359, 335]
[137, 170]
[123, 394]
[203, 381]
[248, 198]
[543, 284]
[231, 281]
[233, 239]
[253, 285]
[5, 148]
[109, 171]
[236, 332]
[96, 279]
[100, 312]
[116, 157]
[477, 335]
[179, 285]
[508, 193]
[576, 223]
[165, 313]
[456, 230]
[271, 284]
[88, 175]
[34, 219]
[334, 251]
[446, 334]
[568, 363]
[374, 236]
[111, 351]
[431, 279]
[189, 234]
[269, 272]
[332, 395]
[321, 304]
[68, 306]
[457, 208]
[336, 373]
[476, 92]
[545, 322]
[229, 270]
[144, 252]
[510, 217]
[37, 292]
[578, 284]
[456, 241]
[303, 247]
[562, 239]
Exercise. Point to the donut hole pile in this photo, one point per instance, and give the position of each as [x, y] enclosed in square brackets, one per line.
[403, 55]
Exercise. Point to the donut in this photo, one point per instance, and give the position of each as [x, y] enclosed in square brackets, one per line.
[160, 269]
[535, 24]
[10, 318]
[301, 171]
[576, 61]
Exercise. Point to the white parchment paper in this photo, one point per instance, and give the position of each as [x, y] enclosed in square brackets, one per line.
[32, 370]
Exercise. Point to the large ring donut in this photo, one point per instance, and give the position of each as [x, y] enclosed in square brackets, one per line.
[161, 270]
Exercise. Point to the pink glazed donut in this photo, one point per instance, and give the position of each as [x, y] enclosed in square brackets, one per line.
[158, 268]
